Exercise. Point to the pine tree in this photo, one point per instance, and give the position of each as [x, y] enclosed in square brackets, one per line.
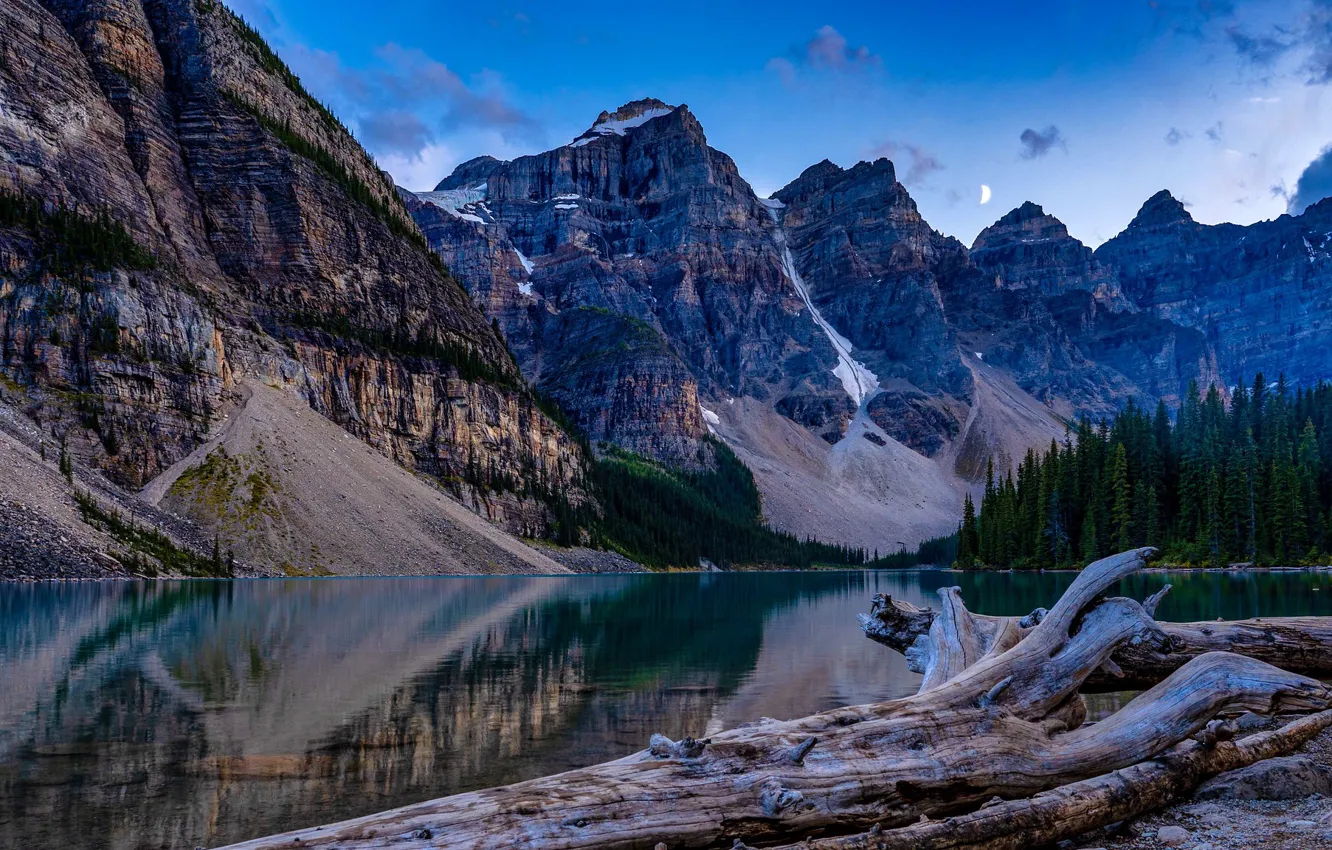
[1122, 497]
[1153, 535]
[66, 465]
[967, 536]
[1192, 484]
[987, 530]
[1211, 528]
[1139, 513]
[1090, 551]
[1308, 468]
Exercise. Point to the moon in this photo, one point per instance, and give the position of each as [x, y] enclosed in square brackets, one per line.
[985, 194]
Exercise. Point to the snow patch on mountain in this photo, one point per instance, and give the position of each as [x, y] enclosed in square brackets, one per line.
[618, 126]
[466, 204]
[625, 118]
[525, 287]
[710, 418]
[527, 264]
[858, 381]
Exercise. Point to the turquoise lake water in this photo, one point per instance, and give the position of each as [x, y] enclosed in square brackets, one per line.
[196, 713]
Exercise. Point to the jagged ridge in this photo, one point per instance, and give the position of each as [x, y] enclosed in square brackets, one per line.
[656, 226]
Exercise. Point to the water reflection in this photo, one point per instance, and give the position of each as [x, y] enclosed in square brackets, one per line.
[199, 713]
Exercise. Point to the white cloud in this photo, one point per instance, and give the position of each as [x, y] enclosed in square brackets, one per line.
[421, 172]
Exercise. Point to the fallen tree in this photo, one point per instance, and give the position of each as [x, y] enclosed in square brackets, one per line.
[1297, 644]
[998, 715]
[1074, 809]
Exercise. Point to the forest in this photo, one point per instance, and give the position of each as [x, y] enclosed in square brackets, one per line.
[663, 517]
[931, 552]
[1243, 480]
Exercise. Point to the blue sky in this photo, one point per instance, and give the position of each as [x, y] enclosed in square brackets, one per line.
[1087, 108]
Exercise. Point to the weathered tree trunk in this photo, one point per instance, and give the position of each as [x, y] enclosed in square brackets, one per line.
[1297, 644]
[999, 715]
[1080, 807]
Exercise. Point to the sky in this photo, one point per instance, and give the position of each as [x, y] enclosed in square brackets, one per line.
[1087, 107]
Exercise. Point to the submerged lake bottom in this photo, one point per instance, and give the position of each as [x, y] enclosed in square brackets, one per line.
[198, 713]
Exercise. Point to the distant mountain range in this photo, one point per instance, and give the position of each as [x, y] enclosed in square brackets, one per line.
[182, 223]
[863, 364]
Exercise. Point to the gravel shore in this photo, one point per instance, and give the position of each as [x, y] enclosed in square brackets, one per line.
[1302, 822]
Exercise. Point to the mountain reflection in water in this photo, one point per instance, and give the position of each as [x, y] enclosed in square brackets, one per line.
[178, 714]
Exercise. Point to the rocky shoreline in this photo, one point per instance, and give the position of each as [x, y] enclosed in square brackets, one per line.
[1279, 804]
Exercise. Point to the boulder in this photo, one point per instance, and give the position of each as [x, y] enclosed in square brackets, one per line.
[1286, 778]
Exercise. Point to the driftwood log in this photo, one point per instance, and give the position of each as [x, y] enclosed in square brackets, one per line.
[1074, 809]
[1297, 644]
[999, 715]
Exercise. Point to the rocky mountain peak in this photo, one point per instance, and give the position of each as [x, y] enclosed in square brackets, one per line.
[864, 178]
[1160, 210]
[881, 169]
[634, 109]
[814, 179]
[1027, 212]
[821, 170]
[1320, 211]
[634, 114]
[1029, 250]
[470, 172]
[1025, 224]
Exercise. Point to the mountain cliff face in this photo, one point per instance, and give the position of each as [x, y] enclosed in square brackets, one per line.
[1043, 307]
[1029, 249]
[875, 269]
[1258, 294]
[263, 242]
[644, 287]
[630, 270]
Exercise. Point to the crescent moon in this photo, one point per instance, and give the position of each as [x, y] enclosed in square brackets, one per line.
[985, 194]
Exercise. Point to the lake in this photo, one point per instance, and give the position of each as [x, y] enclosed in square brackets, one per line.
[180, 714]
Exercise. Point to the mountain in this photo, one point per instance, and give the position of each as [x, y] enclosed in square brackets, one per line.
[630, 270]
[875, 269]
[1030, 249]
[185, 231]
[1044, 308]
[1259, 294]
[865, 366]
[644, 286]
[179, 217]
